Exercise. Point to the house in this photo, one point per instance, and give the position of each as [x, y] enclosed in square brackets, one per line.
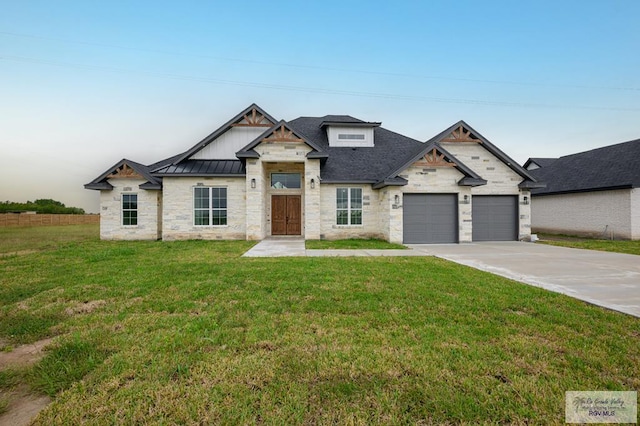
[593, 193]
[328, 177]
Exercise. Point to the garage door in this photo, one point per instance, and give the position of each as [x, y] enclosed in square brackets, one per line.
[430, 218]
[495, 217]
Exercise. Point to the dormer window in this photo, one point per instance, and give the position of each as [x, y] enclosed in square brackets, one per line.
[350, 136]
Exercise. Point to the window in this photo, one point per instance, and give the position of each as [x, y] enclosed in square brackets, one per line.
[349, 206]
[210, 206]
[129, 209]
[350, 136]
[285, 180]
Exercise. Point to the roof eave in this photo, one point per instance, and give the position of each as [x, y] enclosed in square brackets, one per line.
[574, 191]
[470, 181]
[317, 155]
[528, 184]
[247, 154]
[150, 185]
[100, 186]
[387, 182]
[348, 124]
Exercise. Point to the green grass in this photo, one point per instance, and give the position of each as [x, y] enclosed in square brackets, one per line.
[189, 332]
[617, 246]
[20, 239]
[353, 244]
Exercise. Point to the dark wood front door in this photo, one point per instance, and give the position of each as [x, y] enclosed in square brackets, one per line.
[286, 215]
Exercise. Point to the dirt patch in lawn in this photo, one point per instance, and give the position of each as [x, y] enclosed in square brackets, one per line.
[22, 405]
[85, 307]
[22, 355]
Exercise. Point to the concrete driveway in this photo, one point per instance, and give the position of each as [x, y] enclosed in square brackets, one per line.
[607, 279]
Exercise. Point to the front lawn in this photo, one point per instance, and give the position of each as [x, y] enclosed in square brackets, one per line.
[353, 244]
[189, 332]
[617, 246]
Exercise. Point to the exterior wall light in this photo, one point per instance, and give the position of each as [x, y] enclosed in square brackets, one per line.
[465, 199]
[397, 199]
[313, 183]
[253, 183]
[525, 200]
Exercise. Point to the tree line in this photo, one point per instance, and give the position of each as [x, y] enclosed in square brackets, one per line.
[48, 206]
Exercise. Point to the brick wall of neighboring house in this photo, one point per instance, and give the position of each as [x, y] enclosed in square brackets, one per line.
[635, 214]
[25, 219]
[596, 214]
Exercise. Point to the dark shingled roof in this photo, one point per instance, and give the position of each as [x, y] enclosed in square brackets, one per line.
[539, 161]
[203, 168]
[362, 164]
[611, 167]
[378, 165]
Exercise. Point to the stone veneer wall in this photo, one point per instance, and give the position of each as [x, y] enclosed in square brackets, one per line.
[177, 217]
[111, 227]
[372, 225]
[501, 180]
[596, 214]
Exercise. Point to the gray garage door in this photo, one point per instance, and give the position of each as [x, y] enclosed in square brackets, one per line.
[495, 217]
[430, 218]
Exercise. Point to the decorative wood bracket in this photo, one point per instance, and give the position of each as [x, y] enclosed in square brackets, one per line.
[125, 172]
[282, 134]
[461, 135]
[433, 159]
[253, 119]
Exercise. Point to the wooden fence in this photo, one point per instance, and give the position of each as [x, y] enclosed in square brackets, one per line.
[24, 219]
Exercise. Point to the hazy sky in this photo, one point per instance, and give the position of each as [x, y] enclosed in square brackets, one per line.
[85, 83]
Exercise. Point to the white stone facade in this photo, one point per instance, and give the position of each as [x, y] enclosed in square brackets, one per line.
[178, 209]
[604, 214]
[372, 225]
[255, 142]
[111, 222]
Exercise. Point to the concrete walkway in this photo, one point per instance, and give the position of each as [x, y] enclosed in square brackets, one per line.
[606, 279]
[278, 247]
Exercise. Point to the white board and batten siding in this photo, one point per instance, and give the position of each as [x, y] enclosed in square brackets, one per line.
[227, 144]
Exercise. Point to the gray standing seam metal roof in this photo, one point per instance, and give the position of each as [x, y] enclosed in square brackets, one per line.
[203, 168]
[610, 167]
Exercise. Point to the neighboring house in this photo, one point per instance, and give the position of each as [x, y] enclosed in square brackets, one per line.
[593, 193]
[325, 177]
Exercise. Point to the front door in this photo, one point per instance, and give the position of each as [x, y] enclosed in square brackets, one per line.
[286, 215]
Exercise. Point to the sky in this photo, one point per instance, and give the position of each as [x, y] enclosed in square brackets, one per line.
[84, 84]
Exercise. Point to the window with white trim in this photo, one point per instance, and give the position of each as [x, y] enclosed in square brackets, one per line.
[129, 209]
[349, 206]
[209, 206]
